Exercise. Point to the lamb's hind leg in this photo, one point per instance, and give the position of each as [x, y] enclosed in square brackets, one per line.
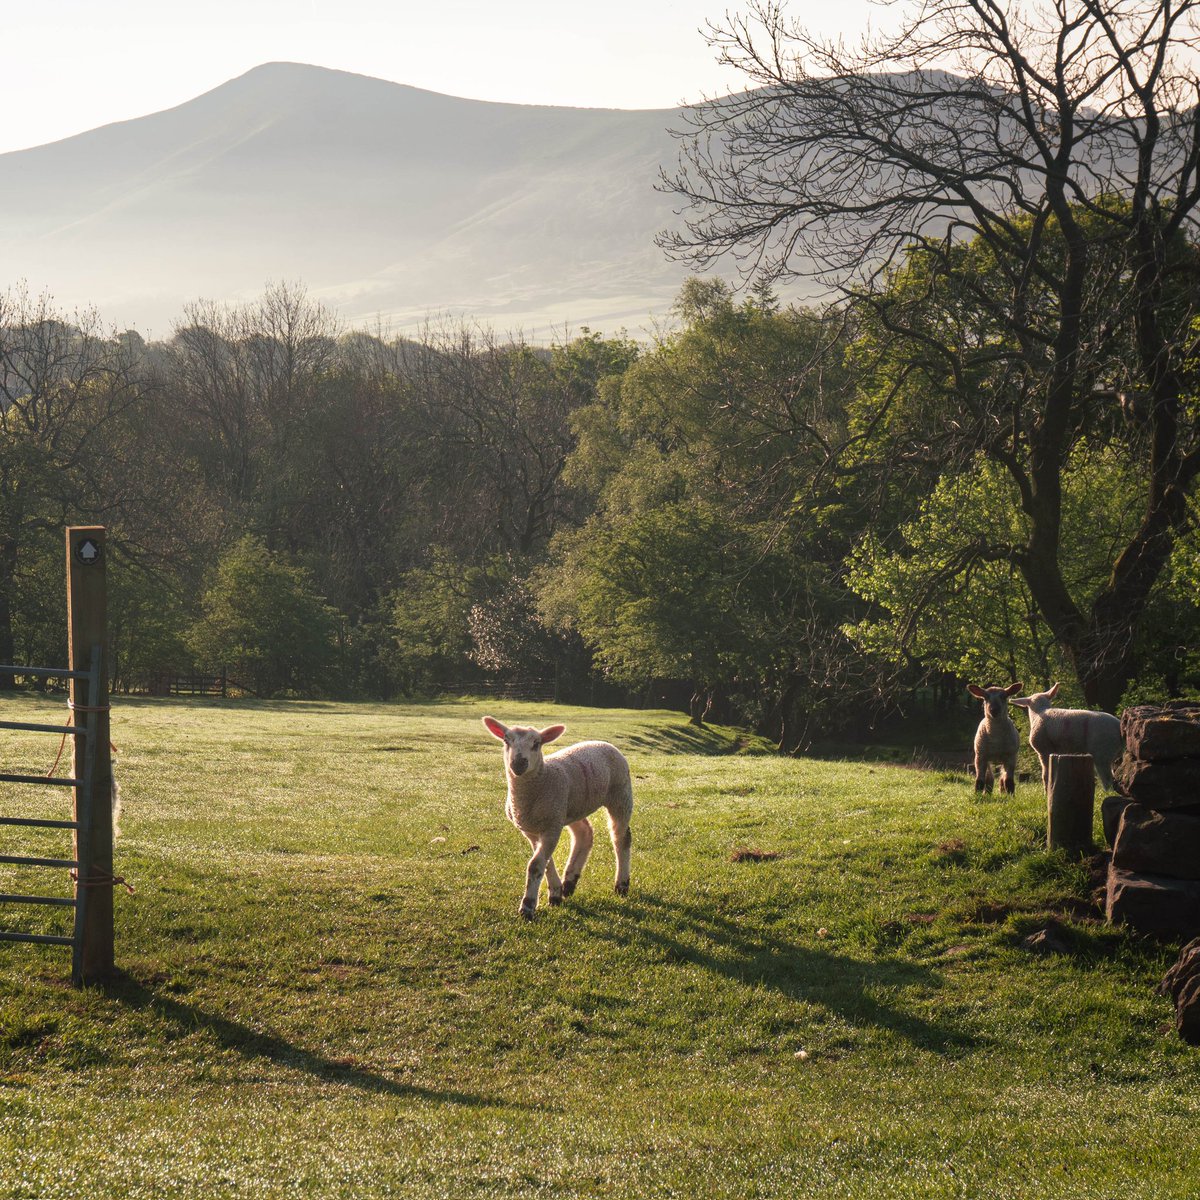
[581, 846]
[554, 884]
[622, 840]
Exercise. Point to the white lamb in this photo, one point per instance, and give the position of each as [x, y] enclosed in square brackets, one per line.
[546, 795]
[1071, 731]
[997, 739]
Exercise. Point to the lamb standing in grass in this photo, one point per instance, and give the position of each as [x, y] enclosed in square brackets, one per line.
[546, 795]
[1071, 731]
[997, 739]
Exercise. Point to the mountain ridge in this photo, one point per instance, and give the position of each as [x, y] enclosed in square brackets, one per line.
[388, 201]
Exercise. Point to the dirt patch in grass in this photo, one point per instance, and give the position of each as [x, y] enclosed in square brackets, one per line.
[752, 854]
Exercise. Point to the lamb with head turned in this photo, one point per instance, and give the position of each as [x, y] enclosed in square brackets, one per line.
[1071, 731]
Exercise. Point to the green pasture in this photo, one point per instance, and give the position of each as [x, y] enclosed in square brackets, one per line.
[817, 987]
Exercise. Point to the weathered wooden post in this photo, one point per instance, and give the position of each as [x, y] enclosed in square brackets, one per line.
[1070, 802]
[87, 622]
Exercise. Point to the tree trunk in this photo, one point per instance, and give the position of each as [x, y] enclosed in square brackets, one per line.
[786, 711]
[696, 707]
[8, 572]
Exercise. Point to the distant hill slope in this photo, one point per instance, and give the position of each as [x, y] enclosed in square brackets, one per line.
[383, 199]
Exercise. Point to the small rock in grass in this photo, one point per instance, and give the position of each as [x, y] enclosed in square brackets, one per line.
[801, 1054]
[822, 932]
[1050, 940]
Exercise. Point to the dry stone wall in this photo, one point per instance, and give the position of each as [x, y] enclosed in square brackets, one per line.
[1154, 824]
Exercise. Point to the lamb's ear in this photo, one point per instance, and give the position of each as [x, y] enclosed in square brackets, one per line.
[976, 691]
[1012, 689]
[495, 728]
[1020, 702]
[1052, 691]
[552, 732]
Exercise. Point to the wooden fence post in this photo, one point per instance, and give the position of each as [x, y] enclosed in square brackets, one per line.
[87, 623]
[1070, 801]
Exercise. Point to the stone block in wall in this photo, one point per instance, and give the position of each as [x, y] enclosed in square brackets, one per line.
[1158, 732]
[1186, 967]
[1154, 903]
[1187, 1011]
[1159, 784]
[1111, 808]
[1157, 842]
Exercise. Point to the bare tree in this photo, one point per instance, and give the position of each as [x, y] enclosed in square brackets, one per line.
[64, 385]
[501, 413]
[1060, 140]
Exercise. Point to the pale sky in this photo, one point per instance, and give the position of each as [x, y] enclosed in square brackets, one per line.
[71, 65]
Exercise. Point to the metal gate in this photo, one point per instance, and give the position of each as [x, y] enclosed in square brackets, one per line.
[84, 812]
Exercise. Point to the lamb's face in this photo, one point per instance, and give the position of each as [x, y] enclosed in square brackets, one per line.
[522, 744]
[995, 699]
[522, 749]
[1039, 702]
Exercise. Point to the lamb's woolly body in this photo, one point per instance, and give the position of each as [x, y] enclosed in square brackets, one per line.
[997, 739]
[572, 784]
[560, 791]
[1071, 731]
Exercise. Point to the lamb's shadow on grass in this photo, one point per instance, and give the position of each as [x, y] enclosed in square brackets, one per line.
[254, 1044]
[840, 984]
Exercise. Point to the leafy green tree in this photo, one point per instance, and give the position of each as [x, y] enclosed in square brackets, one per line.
[431, 620]
[147, 623]
[714, 550]
[263, 620]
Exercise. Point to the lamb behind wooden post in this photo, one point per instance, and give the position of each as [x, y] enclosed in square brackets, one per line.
[1071, 731]
[997, 739]
[549, 794]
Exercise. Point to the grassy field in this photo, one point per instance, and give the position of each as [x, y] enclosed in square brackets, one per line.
[326, 990]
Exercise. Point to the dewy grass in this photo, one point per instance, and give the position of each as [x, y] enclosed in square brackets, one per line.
[326, 990]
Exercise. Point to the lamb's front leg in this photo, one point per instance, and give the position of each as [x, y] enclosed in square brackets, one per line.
[983, 774]
[543, 849]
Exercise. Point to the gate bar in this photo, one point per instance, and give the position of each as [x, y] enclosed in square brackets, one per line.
[39, 822]
[43, 780]
[62, 901]
[75, 730]
[23, 861]
[42, 672]
[47, 939]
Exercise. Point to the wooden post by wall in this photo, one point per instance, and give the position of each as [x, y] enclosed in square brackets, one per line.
[1070, 802]
[87, 624]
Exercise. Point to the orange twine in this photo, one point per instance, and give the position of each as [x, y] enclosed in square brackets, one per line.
[103, 879]
[69, 729]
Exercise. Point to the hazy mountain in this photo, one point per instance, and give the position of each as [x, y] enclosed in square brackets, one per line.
[383, 199]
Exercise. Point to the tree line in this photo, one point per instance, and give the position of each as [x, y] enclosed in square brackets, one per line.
[719, 517]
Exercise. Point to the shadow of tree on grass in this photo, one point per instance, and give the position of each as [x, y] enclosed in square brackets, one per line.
[836, 982]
